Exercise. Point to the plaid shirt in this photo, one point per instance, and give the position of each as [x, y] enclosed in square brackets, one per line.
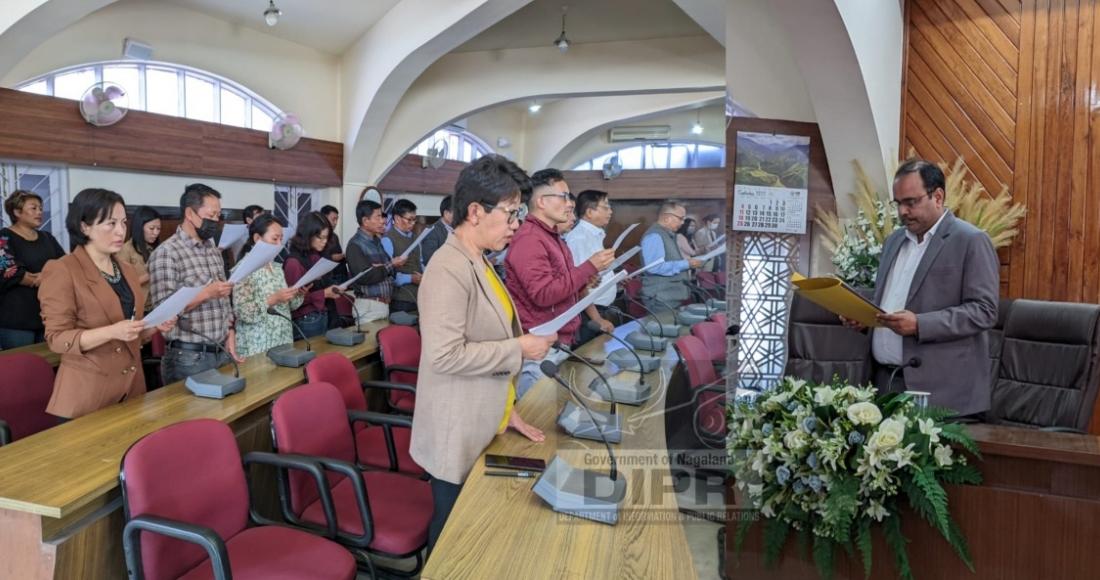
[184, 261]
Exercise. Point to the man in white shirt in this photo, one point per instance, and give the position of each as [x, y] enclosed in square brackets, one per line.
[938, 283]
[584, 240]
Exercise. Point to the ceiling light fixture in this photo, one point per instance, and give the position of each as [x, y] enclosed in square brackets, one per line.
[272, 14]
[697, 128]
[534, 107]
[562, 42]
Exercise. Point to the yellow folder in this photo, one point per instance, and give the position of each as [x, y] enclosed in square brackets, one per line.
[837, 297]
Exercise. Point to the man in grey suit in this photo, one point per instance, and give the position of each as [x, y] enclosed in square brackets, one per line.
[938, 283]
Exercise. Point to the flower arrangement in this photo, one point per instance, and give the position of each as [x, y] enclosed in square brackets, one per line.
[829, 461]
[857, 246]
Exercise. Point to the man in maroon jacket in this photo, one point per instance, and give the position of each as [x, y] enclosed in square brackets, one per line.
[539, 271]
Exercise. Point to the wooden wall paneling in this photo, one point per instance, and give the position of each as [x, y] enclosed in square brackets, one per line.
[41, 128]
[654, 184]
[408, 176]
[1091, 263]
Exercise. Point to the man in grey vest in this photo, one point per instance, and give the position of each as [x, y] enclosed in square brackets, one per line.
[665, 286]
[395, 242]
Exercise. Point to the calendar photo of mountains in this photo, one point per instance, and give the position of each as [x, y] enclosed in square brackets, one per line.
[772, 160]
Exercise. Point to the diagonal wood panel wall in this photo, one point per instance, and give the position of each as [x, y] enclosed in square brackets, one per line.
[1010, 86]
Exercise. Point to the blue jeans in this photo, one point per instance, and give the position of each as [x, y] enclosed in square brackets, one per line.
[178, 364]
[14, 338]
[313, 324]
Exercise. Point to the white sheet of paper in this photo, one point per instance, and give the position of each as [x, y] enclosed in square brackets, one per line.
[322, 267]
[645, 269]
[172, 306]
[231, 234]
[260, 255]
[711, 254]
[352, 280]
[622, 236]
[552, 327]
[717, 241]
[416, 242]
[627, 255]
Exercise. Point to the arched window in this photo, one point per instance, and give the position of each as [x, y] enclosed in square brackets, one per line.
[676, 155]
[168, 89]
[461, 144]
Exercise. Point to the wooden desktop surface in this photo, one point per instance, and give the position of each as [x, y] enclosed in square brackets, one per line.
[500, 529]
[55, 472]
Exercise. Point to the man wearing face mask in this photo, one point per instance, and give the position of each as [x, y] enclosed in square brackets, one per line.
[191, 258]
[705, 236]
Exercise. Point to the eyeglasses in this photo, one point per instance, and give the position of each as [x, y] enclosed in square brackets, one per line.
[563, 195]
[513, 214]
[408, 219]
[676, 215]
[909, 203]
[606, 206]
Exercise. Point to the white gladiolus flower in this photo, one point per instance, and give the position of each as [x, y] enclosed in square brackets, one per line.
[864, 414]
[824, 395]
[943, 455]
[928, 427]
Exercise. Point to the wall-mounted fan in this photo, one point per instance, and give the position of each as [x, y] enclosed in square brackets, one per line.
[285, 133]
[612, 168]
[437, 155]
[104, 104]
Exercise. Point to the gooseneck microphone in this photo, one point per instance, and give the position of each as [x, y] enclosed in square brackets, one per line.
[273, 311]
[610, 395]
[912, 363]
[595, 327]
[551, 370]
[211, 383]
[619, 312]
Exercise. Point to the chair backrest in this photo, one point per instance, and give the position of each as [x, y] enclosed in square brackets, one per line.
[711, 280]
[25, 389]
[311, 420]
[400, 345]
[633, 290]
[1049, 372]
[997, 338]
[337, 370]
[713, 336]
[191, 472]
[158, 345]
[819, 346]
[720, 318]
[697, 361]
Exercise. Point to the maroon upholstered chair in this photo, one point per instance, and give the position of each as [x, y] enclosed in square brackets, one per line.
[399, 347]
[25, 389]
[186, 502]
[709, 389]
[713, 336]
[633, 290]
[381, 441]
[721, 320]
[377, 512]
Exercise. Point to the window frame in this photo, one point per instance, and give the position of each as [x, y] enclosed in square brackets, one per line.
[478, 146]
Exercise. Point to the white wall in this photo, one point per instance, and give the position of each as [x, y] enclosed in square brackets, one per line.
[762, 73]
[507, 121]
[295, 78]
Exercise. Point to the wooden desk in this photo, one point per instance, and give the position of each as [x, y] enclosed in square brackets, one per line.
[500, 529]
[1036, 515]
[60, 503]
[39, 349]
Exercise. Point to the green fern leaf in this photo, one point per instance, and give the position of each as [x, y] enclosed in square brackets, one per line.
[863, 540]
[775, 536]
[824, 552]
[891, 528]
[935, 495]
[956, 433]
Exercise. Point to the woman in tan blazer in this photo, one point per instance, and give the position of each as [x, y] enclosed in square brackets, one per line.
[472, 346]
[89, 305]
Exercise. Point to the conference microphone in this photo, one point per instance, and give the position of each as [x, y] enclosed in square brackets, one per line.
[212, 383]
[594, 326]
[913, 363]
[584, 361]
[697, 293]
[550, 369]
[645, 338]
[347, 336]
[667, 330]
[288, 355]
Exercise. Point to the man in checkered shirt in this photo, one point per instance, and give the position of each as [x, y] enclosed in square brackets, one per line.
[191, 258]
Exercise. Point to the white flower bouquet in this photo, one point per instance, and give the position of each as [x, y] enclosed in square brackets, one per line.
[830, 461]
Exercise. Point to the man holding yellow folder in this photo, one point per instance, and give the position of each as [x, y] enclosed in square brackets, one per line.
[938, 285]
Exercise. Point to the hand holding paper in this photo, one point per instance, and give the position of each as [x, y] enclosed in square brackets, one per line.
[552, 327]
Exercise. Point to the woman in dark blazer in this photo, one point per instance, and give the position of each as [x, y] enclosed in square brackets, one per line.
[89, 305]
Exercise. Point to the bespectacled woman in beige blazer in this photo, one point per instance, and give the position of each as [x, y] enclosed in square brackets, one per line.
[472, 345]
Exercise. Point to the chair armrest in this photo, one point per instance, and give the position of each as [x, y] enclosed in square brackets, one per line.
[389, 385]
[201, 536]
[286, 461]
[400, 369]
[356, 476]
[387, 423]
[5, 433]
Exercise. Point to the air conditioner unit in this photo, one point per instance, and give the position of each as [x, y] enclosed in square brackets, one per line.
[640, 133]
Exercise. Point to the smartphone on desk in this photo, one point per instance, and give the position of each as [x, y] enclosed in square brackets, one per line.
[512, 462]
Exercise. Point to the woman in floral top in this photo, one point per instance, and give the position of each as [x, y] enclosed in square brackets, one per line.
[258, 331]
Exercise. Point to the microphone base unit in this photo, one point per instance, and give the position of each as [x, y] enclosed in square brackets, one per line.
[660, 329]
[689, 317]
[697, 308]
[212, 384]
[633, 394]
[580, 492]
[719, 305]
[626, 361]
[288, 355]
[575, 421]
[345, 337]
[642, 341]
